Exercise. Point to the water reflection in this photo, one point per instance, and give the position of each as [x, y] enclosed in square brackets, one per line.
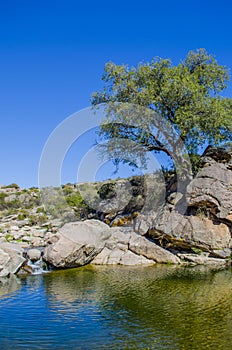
[103, 307]
[151, 306]
[9, 285]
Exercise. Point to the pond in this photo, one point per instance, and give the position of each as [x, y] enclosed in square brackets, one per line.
[156, 307]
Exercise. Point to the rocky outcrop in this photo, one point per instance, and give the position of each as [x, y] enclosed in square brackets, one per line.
[126, 247]
[206, 224]
[137, 223]
[144, 222]
[93, 242]
[195, 259]
[212, 189]
[143, 246]
[11, 258]
[78, 243]
[190, 231]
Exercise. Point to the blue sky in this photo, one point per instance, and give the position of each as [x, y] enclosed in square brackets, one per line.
[52, 55]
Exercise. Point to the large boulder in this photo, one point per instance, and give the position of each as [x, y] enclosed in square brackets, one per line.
[78, 243]
[11, 258]
[185, 232]
[126, 247]
[116, 250]
[212, 189]
[143, 246]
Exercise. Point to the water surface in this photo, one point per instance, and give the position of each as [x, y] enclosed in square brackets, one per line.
[157, 307]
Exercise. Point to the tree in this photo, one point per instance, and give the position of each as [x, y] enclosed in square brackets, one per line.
[188, 96]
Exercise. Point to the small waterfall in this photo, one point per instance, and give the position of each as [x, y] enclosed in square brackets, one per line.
[36, 267]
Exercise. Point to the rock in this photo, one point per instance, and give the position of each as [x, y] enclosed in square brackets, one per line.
[150, 250]
[202, 260]
[27, 239]
[129, 258]
[50, 238]
[39, 233]
[14, 228]
[216, 154]
[212, 188]
[11, 258]
[78, 244]
[102, 258]
[36, 241]
[115, 256]
[120, 257]
[34, 254]
[222, 253]
[11, 198]
[126, 247]
[174, 197]
[144, 222]
[9, 285]
[119, 237]
[4, 262]
[191, 231]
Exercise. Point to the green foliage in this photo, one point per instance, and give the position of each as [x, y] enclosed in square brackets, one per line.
[13, 185]
[203, 212]
[196, 250]
[40, 210]
[3, 204]
[9, 237]
[34, 189]
[75, 200]
[187, 95]
[21, 216]
[67, 189]
[37, 219]
[195, 161]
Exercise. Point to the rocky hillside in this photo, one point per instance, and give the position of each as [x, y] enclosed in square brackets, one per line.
[30, 219]
[157, 224]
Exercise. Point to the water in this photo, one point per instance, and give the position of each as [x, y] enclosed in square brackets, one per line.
[161, 307]
[37, 267]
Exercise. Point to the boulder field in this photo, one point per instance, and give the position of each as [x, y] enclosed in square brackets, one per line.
[199, 234]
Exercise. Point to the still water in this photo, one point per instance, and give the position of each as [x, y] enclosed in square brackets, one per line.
[157, 307]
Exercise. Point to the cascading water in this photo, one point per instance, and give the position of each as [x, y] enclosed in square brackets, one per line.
[38, 267]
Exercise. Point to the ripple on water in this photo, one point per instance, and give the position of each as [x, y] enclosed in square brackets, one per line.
[105, 307]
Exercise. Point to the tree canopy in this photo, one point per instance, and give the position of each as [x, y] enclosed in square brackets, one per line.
[189, 96]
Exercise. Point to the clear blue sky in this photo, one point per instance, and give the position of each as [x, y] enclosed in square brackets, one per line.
[52, 55]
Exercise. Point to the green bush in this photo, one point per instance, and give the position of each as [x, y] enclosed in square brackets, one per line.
[40, 210]
[75, 200]
[21, 216]
[3, 204]
[13, 185]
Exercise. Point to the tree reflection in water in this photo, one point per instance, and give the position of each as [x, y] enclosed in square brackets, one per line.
[146, 307]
